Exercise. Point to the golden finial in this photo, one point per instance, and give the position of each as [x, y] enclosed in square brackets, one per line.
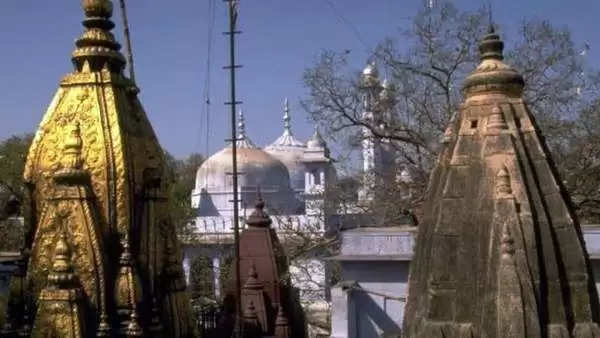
[97, 8]
[72, 161]
[61, 276]
[97, 46]
[72, 148]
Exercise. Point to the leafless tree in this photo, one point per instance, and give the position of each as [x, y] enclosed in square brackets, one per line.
[427, 65]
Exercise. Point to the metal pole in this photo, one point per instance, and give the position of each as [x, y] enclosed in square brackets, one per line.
[127, 41]
[236, 225]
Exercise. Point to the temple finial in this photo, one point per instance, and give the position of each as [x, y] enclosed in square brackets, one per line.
[259, 218]
[97, 8]
[71, 171]
[491, 46]
[492, 74]
[61, 276]
[243, 141]
[287, 125]
[72, 148]
[241, 126]
[97, 46]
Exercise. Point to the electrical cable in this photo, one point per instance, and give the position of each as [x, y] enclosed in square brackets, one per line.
[349, 25]
[206, 92]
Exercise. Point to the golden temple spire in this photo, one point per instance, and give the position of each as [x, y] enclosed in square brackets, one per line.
[88, 166]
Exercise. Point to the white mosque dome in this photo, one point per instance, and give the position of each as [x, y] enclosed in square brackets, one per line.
[289, 151]
[279, 172]
[258, 169]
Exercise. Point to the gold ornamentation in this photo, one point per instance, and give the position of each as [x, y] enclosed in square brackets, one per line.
[86, 166]
[60, 308]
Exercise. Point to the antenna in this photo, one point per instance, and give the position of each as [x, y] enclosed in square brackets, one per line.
[233, 14]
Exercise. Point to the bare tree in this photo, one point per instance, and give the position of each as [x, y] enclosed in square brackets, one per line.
[426, 66]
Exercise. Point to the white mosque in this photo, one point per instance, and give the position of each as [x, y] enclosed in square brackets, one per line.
[286, 173]
[292, 177]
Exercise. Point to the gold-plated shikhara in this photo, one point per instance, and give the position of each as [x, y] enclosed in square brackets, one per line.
[104, 257]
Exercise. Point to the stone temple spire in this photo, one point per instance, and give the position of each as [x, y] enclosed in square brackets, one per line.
[499, 251]
[91, 166]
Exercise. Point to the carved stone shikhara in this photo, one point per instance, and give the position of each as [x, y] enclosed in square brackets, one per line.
[98, 186]
[499, 252]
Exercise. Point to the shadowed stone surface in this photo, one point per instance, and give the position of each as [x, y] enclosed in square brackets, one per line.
[499, 252]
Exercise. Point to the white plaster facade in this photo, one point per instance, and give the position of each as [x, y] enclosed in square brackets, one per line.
[369, 300]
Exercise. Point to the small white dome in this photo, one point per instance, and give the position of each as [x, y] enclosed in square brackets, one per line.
[370, 70]
[316, 141]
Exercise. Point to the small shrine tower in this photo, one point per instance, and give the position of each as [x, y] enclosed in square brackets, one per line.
[269, 307]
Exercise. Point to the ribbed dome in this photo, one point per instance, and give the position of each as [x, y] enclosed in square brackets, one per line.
[260, 170]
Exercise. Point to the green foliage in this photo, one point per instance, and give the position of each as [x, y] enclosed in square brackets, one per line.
[202, 284]
[182, 174]
[13, 153]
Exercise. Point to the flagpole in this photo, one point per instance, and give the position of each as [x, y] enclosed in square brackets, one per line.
[238, 327]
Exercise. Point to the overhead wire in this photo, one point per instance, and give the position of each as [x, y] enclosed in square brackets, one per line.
[348, 24]
[206, 92]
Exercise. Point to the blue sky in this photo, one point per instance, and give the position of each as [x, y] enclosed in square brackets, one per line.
[281, 38]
